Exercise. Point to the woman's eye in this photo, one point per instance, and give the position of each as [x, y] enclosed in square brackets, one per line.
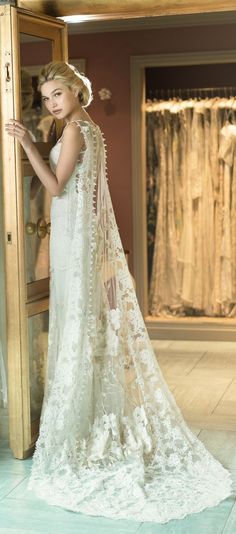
[57, 94]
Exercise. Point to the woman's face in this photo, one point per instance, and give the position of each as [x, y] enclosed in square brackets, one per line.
[59, 99]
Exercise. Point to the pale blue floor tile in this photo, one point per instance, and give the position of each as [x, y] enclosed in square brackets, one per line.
[5, 451]
[12, 466]
[15, 469]
[230, 527]
[8, 482]
[17, 514]
[15, 466]
[21, 492]
[210, 521]
[222, 444]
[18, 531]
[3, 443]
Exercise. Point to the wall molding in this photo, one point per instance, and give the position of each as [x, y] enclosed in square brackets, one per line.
[192, 329]
[155, 22]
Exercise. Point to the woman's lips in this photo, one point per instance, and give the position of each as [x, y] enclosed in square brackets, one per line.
[57, 111]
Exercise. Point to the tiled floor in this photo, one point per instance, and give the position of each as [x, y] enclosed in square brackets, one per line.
[202, 378]
[22, 513]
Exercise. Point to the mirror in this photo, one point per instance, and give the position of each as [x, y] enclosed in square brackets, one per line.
[38, 341]
[34, 114]
[37, 201]
[37, 229]
[42, 127]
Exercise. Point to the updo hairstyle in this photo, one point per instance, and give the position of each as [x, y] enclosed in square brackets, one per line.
[69, 76]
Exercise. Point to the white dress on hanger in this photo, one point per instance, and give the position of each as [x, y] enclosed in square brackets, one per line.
[226, 154]
[186, 247]
[218, 198]
[112, 440]
[164, 278]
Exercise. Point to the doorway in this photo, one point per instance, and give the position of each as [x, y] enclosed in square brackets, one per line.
[164, 328]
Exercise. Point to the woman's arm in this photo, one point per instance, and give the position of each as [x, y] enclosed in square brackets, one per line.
[72, 142]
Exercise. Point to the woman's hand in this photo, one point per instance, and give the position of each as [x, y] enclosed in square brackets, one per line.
[16, 129]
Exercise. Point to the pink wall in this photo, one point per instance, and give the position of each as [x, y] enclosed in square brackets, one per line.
[107, 58]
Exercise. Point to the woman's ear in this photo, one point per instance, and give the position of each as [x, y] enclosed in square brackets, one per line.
[75, 92]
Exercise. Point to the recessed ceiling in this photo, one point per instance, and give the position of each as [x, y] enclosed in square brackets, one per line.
[118, 9]
[142, 23]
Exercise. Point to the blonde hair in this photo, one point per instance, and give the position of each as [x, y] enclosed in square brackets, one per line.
[69, 76]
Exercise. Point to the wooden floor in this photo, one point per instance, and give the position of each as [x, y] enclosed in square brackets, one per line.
[202, 378]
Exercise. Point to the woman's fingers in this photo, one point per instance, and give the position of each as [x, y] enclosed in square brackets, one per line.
[11, 130]
[16, 123]
[15, 129]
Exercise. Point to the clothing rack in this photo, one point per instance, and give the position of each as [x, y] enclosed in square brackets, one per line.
[186, 93]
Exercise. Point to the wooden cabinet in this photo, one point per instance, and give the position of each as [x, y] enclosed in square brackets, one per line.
[26, 217]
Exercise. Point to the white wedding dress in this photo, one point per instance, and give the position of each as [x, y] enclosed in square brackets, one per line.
[112, 440]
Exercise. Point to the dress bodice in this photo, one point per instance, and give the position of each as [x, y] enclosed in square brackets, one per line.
[54, 157]
[64, 207]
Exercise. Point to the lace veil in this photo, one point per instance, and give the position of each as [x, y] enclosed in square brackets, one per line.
[112, 440]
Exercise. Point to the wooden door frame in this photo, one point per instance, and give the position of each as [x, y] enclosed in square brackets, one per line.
[160, 328]
[12, 21]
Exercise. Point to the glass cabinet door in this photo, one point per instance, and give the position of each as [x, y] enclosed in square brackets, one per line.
[37, 342]
[35, 40]
[37, 232]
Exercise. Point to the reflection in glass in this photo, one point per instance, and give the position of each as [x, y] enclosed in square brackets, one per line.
[34, 115]
[38, 342]
[30, 114]
[36, 206]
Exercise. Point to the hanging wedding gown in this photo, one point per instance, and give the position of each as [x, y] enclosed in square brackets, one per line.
[112, 440]
[227, 155]
[164, 280]
[193, 270]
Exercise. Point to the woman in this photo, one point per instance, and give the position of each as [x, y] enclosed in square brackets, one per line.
[112, 441]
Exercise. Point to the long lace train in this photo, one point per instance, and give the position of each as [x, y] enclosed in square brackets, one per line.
[112, 440]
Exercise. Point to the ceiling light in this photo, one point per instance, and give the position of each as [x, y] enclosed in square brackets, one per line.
[75, 19]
